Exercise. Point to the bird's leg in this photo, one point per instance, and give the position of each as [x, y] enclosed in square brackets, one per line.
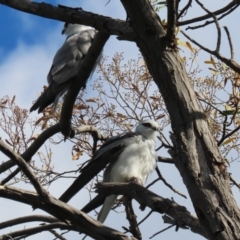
[135, 180]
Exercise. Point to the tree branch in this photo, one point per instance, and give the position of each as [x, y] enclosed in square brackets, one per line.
[24, 167]
[27, 155]
[185, 9]
[171, 23]
[96, 135]
[32, 218]
[153, 201]
[64, 212]
[41, 139]
[229, 62]
[31, 231]
[132, 218]
[167, 184]
[217, 25]
[230, 42]
[84, 73]
[165, 160]
[101, 23]
[220, 11]
[209, 22]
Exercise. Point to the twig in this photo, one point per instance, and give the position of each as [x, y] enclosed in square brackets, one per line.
[234, 182]
[202, 100]
[165, 229]
[219, 11]
[184, 9]
[57, 235]
[27, 155]
[167, 184]
[165, 160]
[230, 42]
[24, 167]
[217, 25]
[209, 22]
[231, 63]
[96, 135]
[145, 217]
[150, 184]
[228, 135]
[26, 219]
[224, 131]
[31, 231]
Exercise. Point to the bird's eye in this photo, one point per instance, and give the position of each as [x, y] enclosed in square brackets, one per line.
[147, 125]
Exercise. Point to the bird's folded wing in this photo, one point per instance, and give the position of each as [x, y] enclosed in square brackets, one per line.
[107, 153]
[68, 58]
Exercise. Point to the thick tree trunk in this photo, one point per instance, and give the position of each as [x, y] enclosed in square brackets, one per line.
[196, 154]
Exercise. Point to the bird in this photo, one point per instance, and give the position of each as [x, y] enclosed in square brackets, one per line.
[66, 64]
[128, 155]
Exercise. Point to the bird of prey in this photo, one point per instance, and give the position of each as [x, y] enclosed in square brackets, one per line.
[66, 64]
[129, 155]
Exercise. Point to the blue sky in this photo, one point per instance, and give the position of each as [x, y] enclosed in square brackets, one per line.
[27, 46]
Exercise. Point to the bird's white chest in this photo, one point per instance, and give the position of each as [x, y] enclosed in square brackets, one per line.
[137, 160]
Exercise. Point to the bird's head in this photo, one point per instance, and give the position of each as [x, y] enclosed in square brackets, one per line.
[71, 28]
[148, 128]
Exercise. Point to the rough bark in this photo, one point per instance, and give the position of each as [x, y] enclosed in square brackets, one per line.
[196, 154]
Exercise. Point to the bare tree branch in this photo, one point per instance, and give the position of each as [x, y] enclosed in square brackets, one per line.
[228, 135]
[27, 155]
[64, 212]
[217, 25]
[41, 139]
[167, 184]
[24, 167]
[220, 11]
[132, 218]
[32, 218]
[57, 235]
[229, 62]
[171, 23]
[230, 43]
[165, 160]
[101, 23]
[184, 9]
[209, 22]
[31, 231]
[84, 73]
[156, 203]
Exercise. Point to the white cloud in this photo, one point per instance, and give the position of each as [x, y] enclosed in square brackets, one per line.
[25, 69]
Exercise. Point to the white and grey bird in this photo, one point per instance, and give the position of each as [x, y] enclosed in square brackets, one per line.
[66, 64]
[130, 155]
[138, 159]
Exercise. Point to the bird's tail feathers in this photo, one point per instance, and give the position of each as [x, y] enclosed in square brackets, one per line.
[49, 96]
[106, 208]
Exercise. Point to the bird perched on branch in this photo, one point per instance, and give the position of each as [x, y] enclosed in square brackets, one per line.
[66, 64]
[130, 155]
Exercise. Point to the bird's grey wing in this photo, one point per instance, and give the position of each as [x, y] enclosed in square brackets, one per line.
[108, 152]
[68, 58]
